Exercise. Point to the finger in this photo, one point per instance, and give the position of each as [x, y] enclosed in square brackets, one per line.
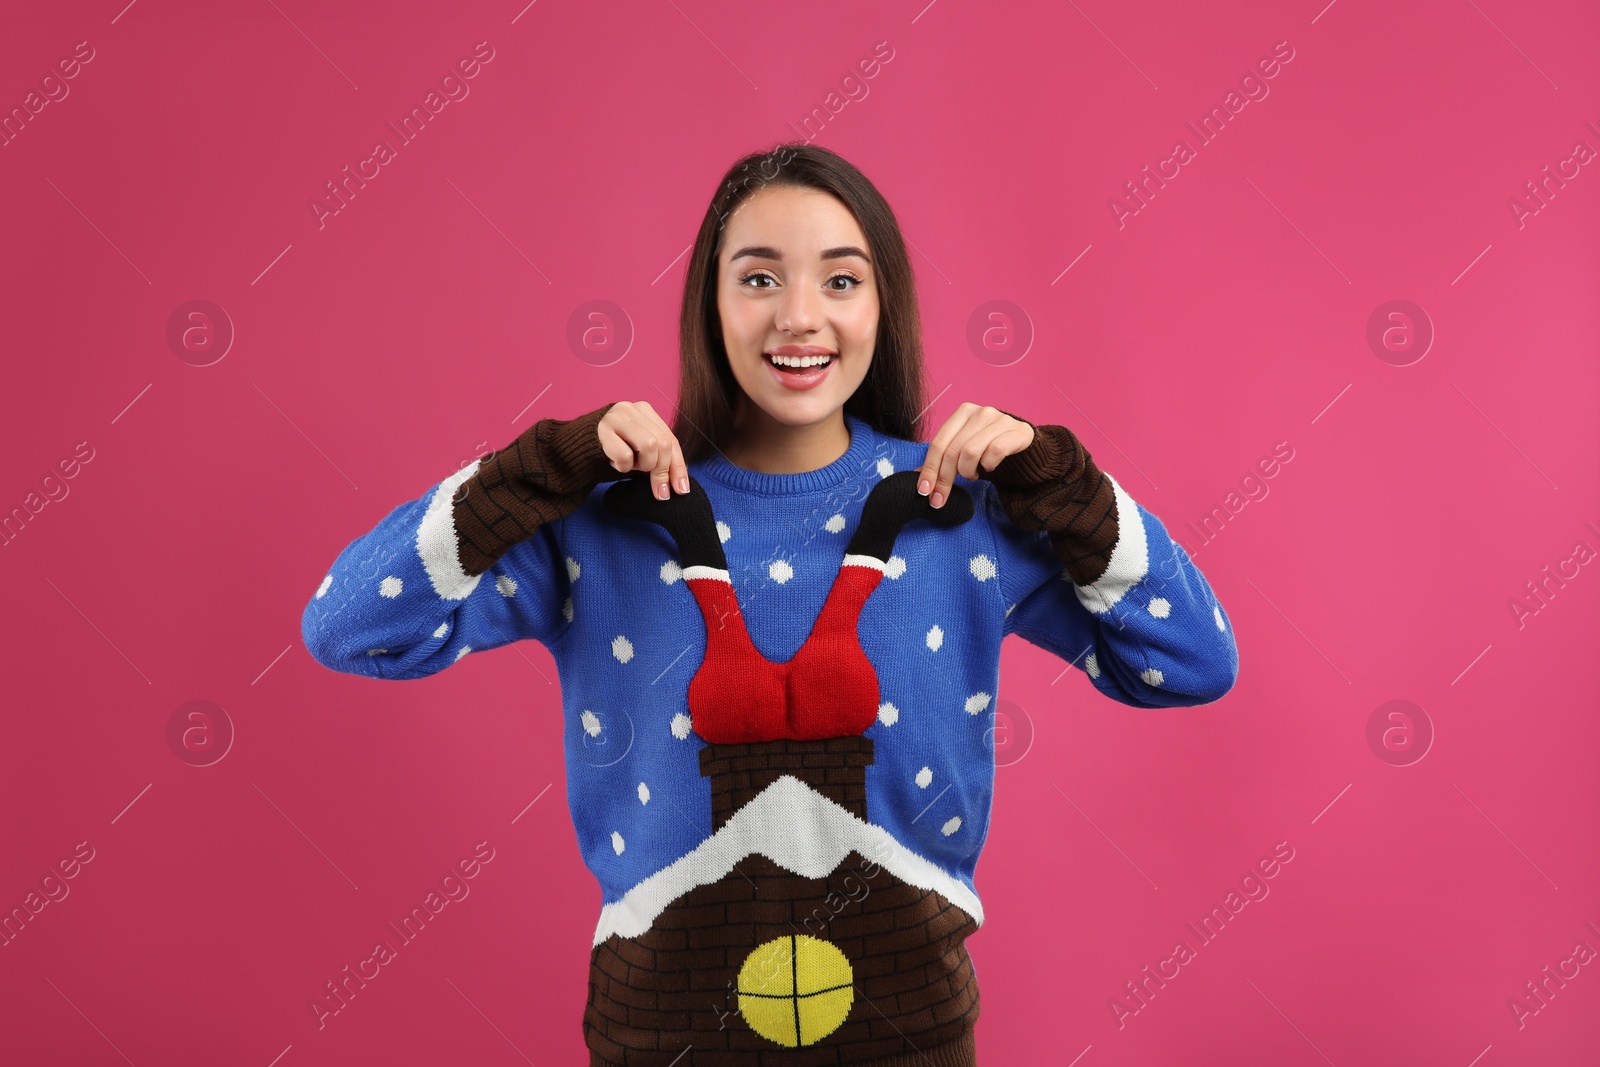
[1005, 443]
[618, 454]
[947, 462]
[928, 474]
[666, 454]
[974, 444]
[680, 469]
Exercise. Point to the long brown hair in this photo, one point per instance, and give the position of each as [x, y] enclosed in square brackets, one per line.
[890, 398]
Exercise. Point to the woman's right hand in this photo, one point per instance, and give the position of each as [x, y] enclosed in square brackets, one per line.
[634, 438]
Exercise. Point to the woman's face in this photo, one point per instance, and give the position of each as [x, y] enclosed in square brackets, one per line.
[795, 284]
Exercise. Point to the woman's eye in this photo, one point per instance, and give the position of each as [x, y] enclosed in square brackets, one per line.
[749, 277]
[844, 278]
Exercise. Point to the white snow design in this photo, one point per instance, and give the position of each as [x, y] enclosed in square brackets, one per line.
[462, 651]
[834, 524]
[590, 722]
[506, 585]
[724, 531]
[977, 702]
[322, 590]
[935, 638]
[797, 828]
[671, 571]
[390, 587]
[1216, 613]
[681, 725]
[924, 776]
[1152, 676]
[780, 571]
[617, 844]
[951, 825]
[885, 468]
[982, 568]
[443, 629]
[1161, 607]
[1092, 665]
[888, 714]
[894, 567]
[566, 609]
[573, 569]
[644, 793]
[622, 648]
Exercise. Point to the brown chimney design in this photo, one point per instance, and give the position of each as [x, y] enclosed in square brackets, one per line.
[760, 964]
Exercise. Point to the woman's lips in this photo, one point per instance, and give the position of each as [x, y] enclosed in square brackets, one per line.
[799, 380]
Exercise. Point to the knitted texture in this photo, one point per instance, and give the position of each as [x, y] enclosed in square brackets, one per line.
[542, 476]
[779, 697]
[1054, 485]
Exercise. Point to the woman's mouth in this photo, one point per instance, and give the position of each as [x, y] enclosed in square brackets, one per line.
[799, 370]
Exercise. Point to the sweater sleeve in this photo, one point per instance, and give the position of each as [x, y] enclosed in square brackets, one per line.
[1088, 574]
[409, 597]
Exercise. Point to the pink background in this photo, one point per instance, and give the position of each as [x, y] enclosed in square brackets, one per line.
[427, 322]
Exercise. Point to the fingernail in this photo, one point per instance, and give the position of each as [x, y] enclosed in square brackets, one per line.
[661, 491]
[937, 500]
[683, 485]
[922, 486]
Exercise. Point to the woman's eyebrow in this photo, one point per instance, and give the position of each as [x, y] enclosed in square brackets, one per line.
[768, 252]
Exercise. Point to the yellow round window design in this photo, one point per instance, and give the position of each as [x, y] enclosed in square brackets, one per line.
[795, 990]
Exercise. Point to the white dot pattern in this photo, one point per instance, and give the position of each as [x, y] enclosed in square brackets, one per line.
[924, 777]
[327, 583]
[888, 714]
[1092, 665]
[617, 844]
[834, 524]
[894, 567]
[1152, 676]
[644, 793]
[982, 568]
[951, 825]
[724, 531]
[1161, 607]
[681, 726]
[622, 648]
[506, 585]
[935, 638]
[671, 571]
[780, 571]
[977, 702]
[573, 570]
[390, 587]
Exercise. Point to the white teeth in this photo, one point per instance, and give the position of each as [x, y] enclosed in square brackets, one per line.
[800, 361]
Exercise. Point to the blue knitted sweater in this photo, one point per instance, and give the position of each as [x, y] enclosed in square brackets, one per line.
[609, 599]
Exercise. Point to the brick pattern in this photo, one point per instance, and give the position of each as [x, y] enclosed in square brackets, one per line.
[668, 997]
[836, 767]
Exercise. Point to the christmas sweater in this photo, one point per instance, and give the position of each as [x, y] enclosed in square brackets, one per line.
[778, 694]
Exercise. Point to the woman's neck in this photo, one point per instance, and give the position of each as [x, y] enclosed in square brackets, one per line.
[761, 443]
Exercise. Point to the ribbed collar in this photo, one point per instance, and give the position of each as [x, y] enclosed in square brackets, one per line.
[858, 460]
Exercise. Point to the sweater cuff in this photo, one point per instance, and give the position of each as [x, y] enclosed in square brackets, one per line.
[1054, 485]
[1054, 455]
[542, 476]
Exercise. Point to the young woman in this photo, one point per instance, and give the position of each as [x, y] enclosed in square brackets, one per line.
[778, 634]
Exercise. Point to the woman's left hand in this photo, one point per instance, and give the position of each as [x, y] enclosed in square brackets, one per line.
[971, 437]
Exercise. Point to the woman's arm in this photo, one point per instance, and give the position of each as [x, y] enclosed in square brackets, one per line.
[1093, 577]
[409, 598]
